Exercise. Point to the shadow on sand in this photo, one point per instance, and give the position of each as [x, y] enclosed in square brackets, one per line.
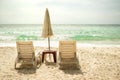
[50, 64]
[71, 69]
[26, 69]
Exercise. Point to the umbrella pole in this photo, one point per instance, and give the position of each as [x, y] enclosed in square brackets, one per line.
[49, 43]
[49, 46]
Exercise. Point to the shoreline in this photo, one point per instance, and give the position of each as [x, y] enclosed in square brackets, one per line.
[56, 44]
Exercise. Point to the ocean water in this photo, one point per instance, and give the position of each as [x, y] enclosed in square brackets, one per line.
[78, 32]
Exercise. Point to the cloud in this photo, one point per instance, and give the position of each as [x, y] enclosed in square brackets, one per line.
[61, 11]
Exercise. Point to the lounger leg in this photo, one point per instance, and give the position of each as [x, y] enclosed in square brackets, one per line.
[43, 57]
[16, 61]
[54, 55]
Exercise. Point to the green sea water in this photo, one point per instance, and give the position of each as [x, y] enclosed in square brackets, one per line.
[78, 32]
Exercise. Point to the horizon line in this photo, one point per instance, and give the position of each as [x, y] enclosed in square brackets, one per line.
[57, 24]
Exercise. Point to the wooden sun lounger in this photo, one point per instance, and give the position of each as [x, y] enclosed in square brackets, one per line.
[67, 51]
[26, 54]
[68, 57]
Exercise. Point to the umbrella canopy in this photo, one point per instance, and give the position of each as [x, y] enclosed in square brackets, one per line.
[47, 30]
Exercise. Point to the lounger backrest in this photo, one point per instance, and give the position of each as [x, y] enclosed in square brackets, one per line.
[67, 49]
[25, 49]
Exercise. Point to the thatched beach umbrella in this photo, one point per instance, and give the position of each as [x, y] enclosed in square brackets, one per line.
[47, 30]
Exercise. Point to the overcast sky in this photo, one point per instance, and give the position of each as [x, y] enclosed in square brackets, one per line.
[61, 11]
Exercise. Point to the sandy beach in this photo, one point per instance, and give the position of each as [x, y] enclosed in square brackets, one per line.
[95, 63]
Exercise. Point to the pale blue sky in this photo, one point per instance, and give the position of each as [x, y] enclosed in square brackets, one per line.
[61, 11]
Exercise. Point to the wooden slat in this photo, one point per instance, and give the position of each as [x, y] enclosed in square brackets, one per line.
[24, 42]
[25, 49]
[67, 49]
[22, 49]
[67, 55]
[26, 56]
[26, 45]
